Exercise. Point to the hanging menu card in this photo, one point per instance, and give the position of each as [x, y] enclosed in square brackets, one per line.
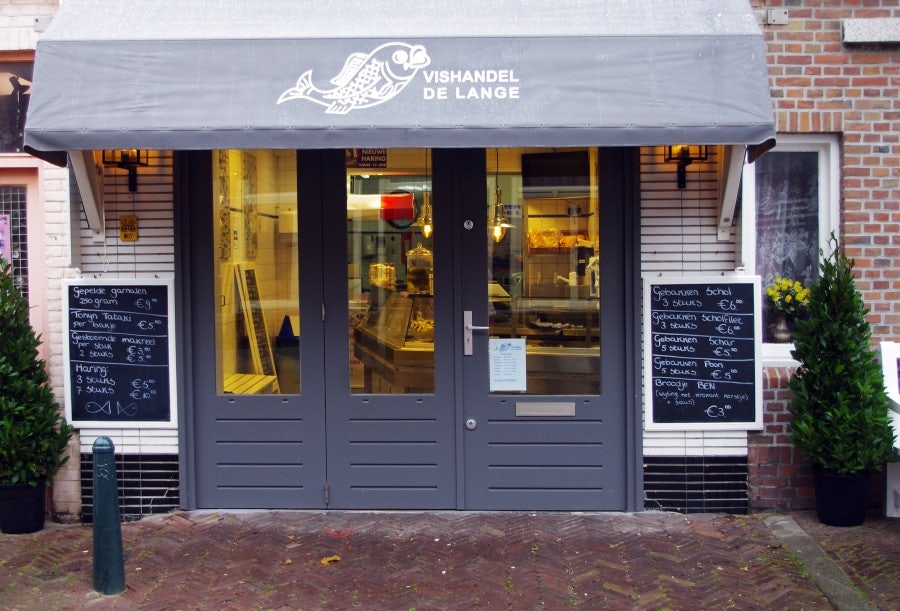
[119, 352]
[701, 353]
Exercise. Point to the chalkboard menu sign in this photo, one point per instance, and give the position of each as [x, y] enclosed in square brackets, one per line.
[119, 352]
[701, 349]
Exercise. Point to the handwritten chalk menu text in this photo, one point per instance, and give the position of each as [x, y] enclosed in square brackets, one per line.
[118, 364]
[701, 346]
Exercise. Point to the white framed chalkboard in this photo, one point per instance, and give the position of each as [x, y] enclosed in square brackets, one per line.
[702, 342]
[119, 352]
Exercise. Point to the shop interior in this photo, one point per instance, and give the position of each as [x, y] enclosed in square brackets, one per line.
[542, 248]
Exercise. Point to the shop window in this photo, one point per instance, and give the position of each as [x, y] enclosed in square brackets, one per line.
[390, 271]
[15, 91]
[790, 209]
[256, 272]
[13, 233]
[543, 252]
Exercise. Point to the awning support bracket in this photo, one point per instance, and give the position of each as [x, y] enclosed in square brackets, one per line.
[730, 180]
[87, 176]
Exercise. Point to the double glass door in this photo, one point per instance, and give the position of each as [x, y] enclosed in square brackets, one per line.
[407, 328]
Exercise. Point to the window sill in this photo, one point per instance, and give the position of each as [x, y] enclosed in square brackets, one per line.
[778, 355]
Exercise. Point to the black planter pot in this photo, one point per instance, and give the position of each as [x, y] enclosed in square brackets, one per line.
[21, 508]
[841, 499]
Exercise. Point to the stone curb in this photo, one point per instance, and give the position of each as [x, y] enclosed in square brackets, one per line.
[834, 583]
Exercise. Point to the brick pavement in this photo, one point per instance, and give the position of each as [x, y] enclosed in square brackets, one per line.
[445, 560]
[869, 555]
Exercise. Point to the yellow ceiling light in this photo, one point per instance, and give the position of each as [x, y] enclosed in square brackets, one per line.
[425, 220]
[500, 223]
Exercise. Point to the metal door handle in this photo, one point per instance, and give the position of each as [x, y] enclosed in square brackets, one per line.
[468, 327]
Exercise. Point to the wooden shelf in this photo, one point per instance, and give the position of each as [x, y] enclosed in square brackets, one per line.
[250, 384]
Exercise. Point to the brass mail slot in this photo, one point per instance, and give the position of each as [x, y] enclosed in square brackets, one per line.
[545, 409]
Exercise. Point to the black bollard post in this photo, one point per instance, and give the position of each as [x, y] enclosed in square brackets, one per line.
[109, 564]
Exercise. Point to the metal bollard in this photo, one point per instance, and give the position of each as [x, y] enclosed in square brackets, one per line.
[109, 564]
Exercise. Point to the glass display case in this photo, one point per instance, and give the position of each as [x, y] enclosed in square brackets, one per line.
[395, 342]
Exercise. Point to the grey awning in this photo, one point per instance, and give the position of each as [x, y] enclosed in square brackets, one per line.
[169, 74]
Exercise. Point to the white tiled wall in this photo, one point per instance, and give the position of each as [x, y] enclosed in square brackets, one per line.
[679, 235]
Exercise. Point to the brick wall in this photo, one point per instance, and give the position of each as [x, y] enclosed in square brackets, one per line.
[779, 479]
[821, 85]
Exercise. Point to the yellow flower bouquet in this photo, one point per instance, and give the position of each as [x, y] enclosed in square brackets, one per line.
[788, 296]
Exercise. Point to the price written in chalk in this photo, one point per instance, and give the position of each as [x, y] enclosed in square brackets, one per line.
[143, 389]
[730, 305]
[146, 304]
[151, 325]
[716, 411]
[139, 354]
[118, 348]
[702, 360]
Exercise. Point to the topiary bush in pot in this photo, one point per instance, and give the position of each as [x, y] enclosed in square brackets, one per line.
[33, 433]
[838, 402]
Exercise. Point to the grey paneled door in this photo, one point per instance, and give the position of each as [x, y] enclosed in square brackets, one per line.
[391, 415]
[548, 428]
[257, 401]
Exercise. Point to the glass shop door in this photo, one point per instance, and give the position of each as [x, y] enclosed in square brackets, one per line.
[542, 306]
[485, 368]
[255, 273]
[409, 329]
[389, 352]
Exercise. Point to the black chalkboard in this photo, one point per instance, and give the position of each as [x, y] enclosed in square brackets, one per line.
[701, 348]
[118, 368]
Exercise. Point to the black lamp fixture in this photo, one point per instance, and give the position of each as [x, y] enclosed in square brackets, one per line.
[685, 155]
[127, 159]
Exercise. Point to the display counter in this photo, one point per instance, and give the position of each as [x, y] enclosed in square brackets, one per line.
[395, 343]
[396, 348]
[548, 322]
[393, 368]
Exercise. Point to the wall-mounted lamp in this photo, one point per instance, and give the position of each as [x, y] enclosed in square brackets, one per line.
[128, 159]
[685, 155]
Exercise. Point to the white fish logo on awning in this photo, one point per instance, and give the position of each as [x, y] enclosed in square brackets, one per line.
[366, 79]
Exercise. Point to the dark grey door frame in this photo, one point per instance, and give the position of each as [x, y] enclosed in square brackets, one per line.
[368, 432]
[193, 187]
[186, 165]
[236, 449]
[604, 426]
